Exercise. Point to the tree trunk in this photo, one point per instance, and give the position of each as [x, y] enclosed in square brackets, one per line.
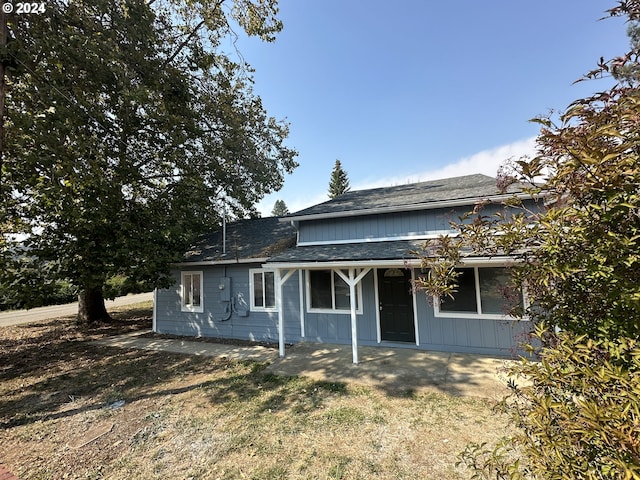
[91, 307]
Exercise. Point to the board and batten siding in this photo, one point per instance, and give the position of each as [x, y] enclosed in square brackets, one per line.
[420, 223]
[464, 335]
[256, 326]
[336, 327]
[468, 335]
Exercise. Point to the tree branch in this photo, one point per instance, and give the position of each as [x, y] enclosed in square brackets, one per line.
[189, 37]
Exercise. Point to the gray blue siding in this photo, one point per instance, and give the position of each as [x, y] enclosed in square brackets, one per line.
[468, 335]
[384, 226]
[257, 326]
[476, 335]
[336, 328]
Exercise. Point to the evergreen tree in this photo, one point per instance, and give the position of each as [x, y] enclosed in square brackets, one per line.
[280, 209]
[339, 182]
[626, 69]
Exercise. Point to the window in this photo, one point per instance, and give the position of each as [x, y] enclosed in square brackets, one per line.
[328, 292]
[465, 297]
[482, 291]
[263, 289]
[191, 292]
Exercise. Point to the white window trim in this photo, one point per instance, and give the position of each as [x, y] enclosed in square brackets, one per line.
[333, 310]
[252, 304]
[187, 307]
[486, 316]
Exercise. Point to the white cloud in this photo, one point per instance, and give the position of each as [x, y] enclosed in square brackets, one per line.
[486, 162]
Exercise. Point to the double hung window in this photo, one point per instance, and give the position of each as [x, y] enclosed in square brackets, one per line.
[191, 292]
[263, 290]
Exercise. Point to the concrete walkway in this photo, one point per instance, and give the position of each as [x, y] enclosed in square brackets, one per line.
[18, 317]
[138, 340]
[394, 370]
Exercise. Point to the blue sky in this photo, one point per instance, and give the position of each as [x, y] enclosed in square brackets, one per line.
[410, 90]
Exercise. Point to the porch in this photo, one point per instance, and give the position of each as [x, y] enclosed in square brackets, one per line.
[398, 371]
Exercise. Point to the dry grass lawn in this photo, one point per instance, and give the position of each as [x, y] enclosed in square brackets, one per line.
[72, 409]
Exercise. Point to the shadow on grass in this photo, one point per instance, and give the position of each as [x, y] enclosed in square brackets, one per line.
[51, 370]
[267, 392]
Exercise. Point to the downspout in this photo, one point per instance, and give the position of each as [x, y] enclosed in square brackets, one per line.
[301, 296]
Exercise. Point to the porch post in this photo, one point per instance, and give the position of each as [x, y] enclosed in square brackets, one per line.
[354, 318]
[352, 280]
[280, 280]
[280, 314]
[154, 321]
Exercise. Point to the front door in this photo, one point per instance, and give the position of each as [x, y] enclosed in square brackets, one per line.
[396, 305]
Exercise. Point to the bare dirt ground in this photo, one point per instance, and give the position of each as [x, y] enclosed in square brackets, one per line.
[73, 409]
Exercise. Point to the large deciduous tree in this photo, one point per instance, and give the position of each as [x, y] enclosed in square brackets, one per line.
[128, 124]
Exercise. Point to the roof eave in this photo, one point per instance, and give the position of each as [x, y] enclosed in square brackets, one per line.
[405, 262]
[203, 263]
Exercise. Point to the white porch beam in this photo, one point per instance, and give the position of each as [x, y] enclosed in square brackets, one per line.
[399, 263]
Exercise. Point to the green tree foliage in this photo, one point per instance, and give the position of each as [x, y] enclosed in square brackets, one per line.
[578, 413]
[577, 256]
[339, 182]
[280, 209]
[577, 253]
[127, 128]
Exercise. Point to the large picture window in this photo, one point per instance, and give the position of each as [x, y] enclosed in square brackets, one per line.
[263, 289]
[191, 292]
[327, 291]
[482, 291]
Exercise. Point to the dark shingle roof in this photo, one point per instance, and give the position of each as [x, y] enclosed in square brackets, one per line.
[246, 239]
[458, 188]
[394, 250]
[275, 238]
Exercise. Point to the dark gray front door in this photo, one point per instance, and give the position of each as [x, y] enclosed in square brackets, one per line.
[396, 305]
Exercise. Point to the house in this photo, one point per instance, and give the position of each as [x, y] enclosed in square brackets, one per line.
[341, 272]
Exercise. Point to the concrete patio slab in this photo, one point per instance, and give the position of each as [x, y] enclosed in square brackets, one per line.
[395, 370]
